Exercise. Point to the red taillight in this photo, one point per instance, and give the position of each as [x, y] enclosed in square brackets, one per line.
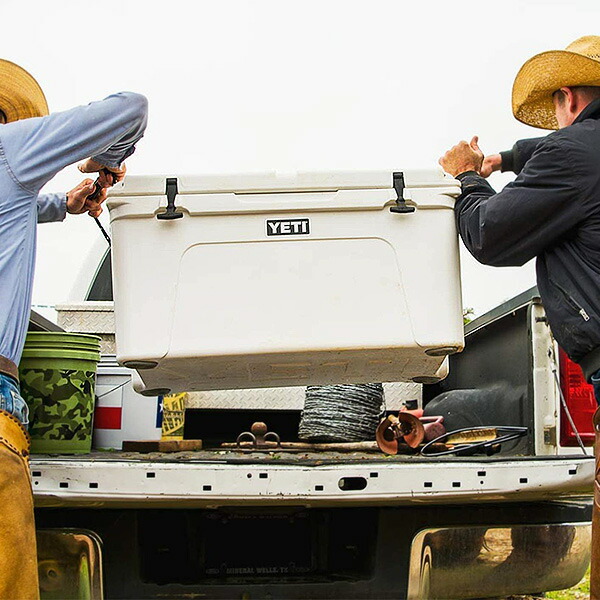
[579, 396]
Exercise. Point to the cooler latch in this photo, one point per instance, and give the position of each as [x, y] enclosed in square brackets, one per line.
[171, 191]
[401, 206]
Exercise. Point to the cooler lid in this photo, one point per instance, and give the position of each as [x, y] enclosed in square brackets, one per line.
[278, 181]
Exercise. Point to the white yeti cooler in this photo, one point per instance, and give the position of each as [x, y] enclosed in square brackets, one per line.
[267, 280]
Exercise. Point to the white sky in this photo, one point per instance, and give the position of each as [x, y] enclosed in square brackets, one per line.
[240, 85]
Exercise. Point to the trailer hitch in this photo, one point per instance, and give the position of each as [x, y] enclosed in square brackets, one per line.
[259, 436]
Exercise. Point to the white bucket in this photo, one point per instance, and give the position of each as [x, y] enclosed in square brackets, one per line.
[121, 413]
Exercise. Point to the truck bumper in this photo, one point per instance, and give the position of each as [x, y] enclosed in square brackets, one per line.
[174, 482]
[482, 562]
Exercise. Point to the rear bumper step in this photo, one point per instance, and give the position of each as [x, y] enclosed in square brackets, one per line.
[71, 481]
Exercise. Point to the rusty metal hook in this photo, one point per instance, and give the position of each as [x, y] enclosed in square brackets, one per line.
[259, 435]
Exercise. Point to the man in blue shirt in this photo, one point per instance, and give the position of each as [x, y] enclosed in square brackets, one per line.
[34, 146]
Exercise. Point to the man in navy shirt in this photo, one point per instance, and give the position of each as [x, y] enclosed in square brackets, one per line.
[551, 211]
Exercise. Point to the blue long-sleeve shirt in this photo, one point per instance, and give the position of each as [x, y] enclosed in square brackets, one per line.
[32, 151]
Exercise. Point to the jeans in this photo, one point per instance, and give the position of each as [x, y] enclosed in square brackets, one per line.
[11, 400]
[595, 381]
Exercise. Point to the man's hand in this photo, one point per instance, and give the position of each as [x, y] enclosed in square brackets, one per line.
[491, 163]
[463, 157]
[77, 202]
[106, 180]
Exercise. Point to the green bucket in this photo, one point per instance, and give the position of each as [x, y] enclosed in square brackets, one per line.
[58, 376]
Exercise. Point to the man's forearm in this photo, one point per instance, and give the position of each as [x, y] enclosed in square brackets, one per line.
[37, 149]
[514, 160]
[135, 113]
[529, 215]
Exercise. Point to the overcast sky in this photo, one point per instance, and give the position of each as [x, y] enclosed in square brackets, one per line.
[238, 86]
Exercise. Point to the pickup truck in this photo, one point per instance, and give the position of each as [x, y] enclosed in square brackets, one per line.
[222, 523]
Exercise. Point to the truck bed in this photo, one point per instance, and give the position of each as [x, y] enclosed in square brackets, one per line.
[509, 349]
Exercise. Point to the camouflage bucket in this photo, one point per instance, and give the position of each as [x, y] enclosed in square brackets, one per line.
[57, 374]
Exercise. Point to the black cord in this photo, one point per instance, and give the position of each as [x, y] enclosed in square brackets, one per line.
[567, 411]
[106, 236]
[94, 195]
[113, 390]
[512, 433]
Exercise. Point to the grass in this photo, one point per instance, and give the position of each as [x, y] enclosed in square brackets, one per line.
[580, 592]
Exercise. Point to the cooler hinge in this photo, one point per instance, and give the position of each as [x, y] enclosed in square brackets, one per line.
[171, 191]
[401, 206]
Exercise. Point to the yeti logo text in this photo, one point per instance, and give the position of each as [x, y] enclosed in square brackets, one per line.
[288, 227]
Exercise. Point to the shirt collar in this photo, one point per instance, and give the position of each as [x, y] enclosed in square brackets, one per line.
[591, 111]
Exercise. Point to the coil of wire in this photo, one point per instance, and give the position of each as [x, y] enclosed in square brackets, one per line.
[341, 413]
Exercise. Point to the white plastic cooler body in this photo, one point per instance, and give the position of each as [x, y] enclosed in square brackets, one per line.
[271, 280]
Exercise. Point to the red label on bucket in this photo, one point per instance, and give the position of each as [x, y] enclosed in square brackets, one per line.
[107, 417]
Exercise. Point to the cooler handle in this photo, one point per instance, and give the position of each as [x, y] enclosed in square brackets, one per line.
[399, 185]
[171, 212]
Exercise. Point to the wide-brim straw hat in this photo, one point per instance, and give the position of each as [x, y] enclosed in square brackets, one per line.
[21, 96]
[545, 73]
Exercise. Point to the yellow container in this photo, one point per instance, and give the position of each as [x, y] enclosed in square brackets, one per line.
[173, 416]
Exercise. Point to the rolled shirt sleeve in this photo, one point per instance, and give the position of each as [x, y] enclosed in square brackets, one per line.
[51, 208]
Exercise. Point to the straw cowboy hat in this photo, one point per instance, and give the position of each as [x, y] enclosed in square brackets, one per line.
[21, 96]
[545, 73]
